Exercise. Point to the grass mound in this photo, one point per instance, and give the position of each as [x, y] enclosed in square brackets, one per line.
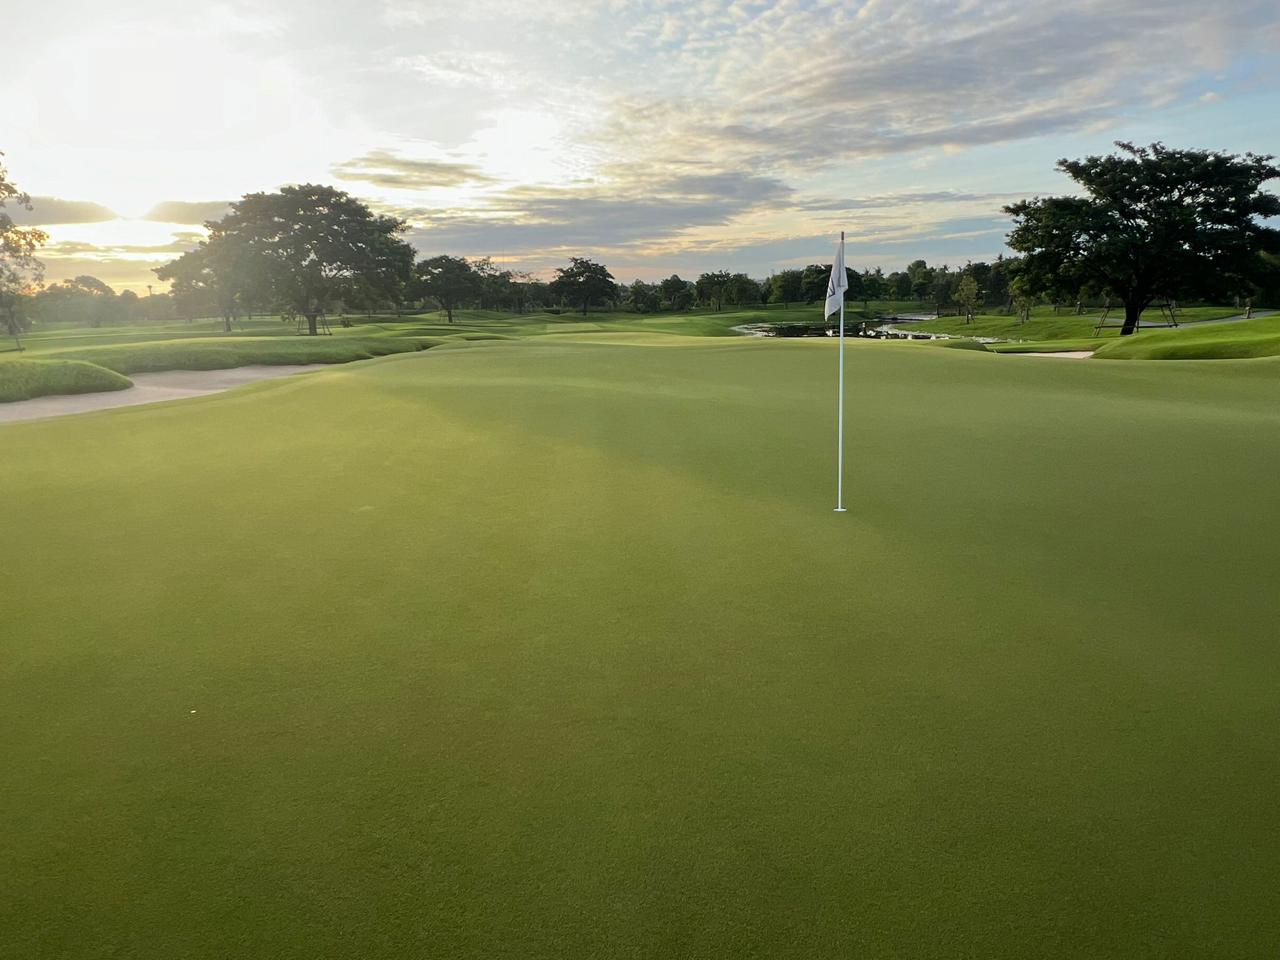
[1048, 346]
[1234, 341]
[1045, 325]
[961, 344]
[22, 379]
[221, 353]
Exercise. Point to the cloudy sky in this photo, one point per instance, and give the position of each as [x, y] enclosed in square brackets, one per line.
[657, 135]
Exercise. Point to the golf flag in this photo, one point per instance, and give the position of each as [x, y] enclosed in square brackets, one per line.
[836, 287]
[838, 283]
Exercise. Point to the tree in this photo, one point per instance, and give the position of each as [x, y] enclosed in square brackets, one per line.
[677, 293]
[523, 289]
[584, 283]
[20, 271]
[643, 297]
[998, 282]
[968, 295]
[1154, 222]
[713, 286]
[786, 287]
[309, 246]
[449, 281]
[855, 291]
[942, 286]
[496, 285]
[1021, 299]
[741, 290]
[80, 301]
[921, 280]
[813, 282]
[222, 272]
[874, 284]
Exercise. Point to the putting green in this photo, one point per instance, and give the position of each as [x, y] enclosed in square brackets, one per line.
[555, 649]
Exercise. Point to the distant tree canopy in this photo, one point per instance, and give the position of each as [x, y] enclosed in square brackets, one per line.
[20, 271]
[1154, 222]
[300, 249]
[584, 283]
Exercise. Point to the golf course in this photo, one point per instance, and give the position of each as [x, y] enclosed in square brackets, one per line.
[539, 638]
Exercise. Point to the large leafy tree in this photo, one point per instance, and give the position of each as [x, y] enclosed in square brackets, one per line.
[712, 287]
[584, 283]
[20, 271]
[449, 281]
[742, 290]
[786, 287]
[676, 292]
[1152, 222]
[306, 247]
[224, 272]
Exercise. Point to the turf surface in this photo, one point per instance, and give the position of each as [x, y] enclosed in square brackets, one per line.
[1045, 324]
[22, 379]
[555, 649]
[1259, 337]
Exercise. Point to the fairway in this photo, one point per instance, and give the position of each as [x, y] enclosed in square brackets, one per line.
[554, 648]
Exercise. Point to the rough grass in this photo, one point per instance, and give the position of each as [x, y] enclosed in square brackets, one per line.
[23, 379]
[555, 649]
[221, 353]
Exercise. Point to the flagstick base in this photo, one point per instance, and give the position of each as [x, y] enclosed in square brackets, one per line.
[840, 510]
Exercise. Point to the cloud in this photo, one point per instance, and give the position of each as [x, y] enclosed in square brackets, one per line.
[625, 209]
[46, 211]
[81, 250]
[188, 212]
[382, 168]
[897, 78]
[891, 200]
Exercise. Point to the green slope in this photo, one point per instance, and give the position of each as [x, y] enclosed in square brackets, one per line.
[1259, 337]
[556, 649]
[23, 379]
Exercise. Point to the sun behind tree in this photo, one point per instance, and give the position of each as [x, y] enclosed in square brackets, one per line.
[301, 250]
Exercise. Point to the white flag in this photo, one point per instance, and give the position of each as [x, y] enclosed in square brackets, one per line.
[838, 283]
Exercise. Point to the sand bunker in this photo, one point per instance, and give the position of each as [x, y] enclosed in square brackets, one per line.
[151, 388]
[1061, 354]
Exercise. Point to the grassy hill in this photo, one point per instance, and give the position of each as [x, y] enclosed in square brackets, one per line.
[1259, 337]
[554, 648]
[1045, 324]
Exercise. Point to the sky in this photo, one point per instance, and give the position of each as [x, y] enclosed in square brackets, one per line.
[653, 135]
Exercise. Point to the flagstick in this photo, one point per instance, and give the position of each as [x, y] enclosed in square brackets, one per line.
[840, 408]
[840, 423]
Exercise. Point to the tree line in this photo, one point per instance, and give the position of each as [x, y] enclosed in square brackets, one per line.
[1146, 223]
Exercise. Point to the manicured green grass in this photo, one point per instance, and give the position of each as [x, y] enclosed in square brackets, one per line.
[958, 344]
[1048, 346]
[219, 353]
[1259, 337]
[1045, 325]
[556, 649]
[22, 379]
